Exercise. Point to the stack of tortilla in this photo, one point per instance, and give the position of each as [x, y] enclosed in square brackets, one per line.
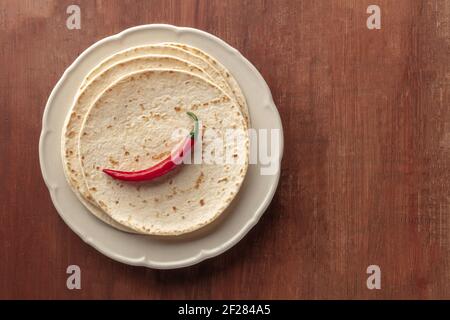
[124, 118]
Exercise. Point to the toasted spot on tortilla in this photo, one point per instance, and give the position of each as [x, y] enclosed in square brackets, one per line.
[224, 179]
[113, 161]
[199, 180]
[161, 155]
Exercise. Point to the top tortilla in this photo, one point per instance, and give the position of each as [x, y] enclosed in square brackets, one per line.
[129, 128]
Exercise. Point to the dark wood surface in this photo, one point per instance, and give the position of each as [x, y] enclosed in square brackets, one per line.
[365, 174]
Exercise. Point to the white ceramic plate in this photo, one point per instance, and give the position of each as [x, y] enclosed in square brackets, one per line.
[244, 212]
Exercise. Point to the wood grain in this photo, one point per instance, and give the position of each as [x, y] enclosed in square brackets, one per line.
[365, 174]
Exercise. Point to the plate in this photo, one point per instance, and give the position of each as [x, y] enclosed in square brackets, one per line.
[156, 252]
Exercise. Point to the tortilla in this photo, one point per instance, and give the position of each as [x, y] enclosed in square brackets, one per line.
[130, 126]
[82, 103]
[217, 72]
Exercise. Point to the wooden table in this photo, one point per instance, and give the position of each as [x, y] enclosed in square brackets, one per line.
[365, 174]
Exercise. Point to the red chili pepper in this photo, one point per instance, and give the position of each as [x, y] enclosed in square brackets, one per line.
[163, 167]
